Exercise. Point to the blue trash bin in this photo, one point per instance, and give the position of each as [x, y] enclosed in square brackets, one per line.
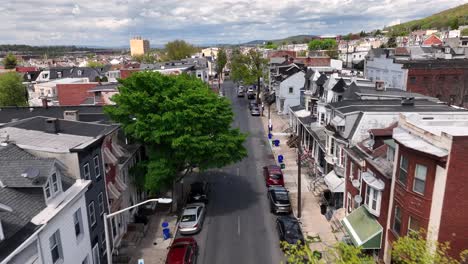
[270, 135]
[166, 233]
[280, 158]
[276, 142]
[165, 224]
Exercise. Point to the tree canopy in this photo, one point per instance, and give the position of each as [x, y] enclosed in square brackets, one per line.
[10, 61]
[94, 64]
[179, 49]
[322, 44]
[145, 58]
[340, 253]
[12, 90]
[248, 68]
[270, 45]
[414, 248]
[182, 123]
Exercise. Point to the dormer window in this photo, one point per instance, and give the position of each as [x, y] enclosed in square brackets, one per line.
[52, 186]
[79, 72]
[59, 74]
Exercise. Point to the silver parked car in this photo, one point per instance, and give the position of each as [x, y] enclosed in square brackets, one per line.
[192, 218]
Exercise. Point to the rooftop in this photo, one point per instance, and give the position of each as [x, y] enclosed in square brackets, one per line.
[350, 106]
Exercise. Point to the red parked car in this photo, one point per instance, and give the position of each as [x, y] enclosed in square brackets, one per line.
[273, 176]
[183, 251]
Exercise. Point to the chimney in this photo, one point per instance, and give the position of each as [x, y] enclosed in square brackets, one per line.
[45, 103]
[71, 115]
[379, 85]
[51, 125]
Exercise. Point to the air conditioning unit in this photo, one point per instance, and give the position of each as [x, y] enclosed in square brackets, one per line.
[358, 199]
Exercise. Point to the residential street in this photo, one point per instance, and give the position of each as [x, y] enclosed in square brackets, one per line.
[239, 227]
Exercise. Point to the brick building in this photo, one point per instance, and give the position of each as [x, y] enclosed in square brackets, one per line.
[444, 79]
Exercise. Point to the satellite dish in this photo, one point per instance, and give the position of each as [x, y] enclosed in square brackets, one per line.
[355, 183]
[30, 173]
[358, 199]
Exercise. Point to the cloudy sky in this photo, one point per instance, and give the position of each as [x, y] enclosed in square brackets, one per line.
[113, 22]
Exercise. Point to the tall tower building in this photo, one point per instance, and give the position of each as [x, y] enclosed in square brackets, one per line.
[139, 46]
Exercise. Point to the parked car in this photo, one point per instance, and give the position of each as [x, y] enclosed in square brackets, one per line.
[252, 104]
[250, 93]
[278, 197]
[182, 251]
[240, 93]
[289, 230]
[192, 218]
[255, 111]
[199, 192]
[273, 176]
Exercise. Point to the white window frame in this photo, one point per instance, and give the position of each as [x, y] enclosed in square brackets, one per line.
[390, 154]
[87, 176]
[416, 177]
[409, 225]
[78, 219]
[103, 243]
[350, 203]
[403, 169]
[96, 255]
[395, 218]
[290, 90]
[55, 184]
[56, 243]
[101, 203]
[97, 170]
[92, 213]
[351, 170]
[48, 188]
[371, 196]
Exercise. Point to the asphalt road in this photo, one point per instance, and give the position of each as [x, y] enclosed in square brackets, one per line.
[239, 227]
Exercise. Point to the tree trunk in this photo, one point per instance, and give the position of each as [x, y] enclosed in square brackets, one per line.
[258, 90]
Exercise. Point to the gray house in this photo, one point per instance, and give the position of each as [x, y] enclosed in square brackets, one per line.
[78, 146]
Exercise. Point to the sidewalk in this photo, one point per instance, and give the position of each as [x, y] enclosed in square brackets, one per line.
[313, 222]
[153, 248]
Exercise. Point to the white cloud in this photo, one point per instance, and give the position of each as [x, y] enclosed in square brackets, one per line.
[113, 22]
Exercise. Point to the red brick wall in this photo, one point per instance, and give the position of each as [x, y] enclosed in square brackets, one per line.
[349, 186]
[449, 85]
[125, 73]
[454, 220]
[74, 94]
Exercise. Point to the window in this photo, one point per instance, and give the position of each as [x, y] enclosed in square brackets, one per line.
[351, 170]
[402, 177]
[291, 90]
[413, 225]
[101, 203]
[96, 257]
[390, 153]
[372, 200]
[92, 213]
[397, 220]
[419, 184]
[78, 223]
[47, 190]
[86, 171]
[59, 74]
[55, 182]
[56, 247]
[79, 72]
[97, 171]
[103, 243]
[350, 202]
[412, 79]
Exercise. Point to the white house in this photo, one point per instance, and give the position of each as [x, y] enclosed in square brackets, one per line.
[43, 214]
[380, 65]
[289, 92]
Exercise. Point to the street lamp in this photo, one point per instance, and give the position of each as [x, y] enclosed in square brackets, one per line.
[108, 216]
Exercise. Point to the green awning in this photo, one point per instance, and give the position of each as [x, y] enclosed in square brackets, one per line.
[363, 229]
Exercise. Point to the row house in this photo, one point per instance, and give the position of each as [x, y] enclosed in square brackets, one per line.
[78, 146]
[94, 93]
[408, 177]
[43, 211]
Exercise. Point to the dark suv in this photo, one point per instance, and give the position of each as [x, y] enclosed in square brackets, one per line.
[278, 197]
[199, 192]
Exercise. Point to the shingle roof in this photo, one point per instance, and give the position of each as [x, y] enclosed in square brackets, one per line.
[297, 108]
[86, 113]
[349, 106]
[322, 79]
[339, 87]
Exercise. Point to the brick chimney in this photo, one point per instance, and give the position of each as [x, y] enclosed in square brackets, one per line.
[45, 103]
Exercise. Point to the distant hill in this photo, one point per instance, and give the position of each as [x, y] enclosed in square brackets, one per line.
[448, 18]
[297, 39]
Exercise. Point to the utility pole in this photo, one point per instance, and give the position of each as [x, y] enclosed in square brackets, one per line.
[299, 153]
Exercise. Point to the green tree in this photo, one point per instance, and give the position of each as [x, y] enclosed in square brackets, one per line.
[391, 43]
[221, 61]
[464, 32]
[10, 61]
[302, 53]
[414, 248]
[270, 45]
[180, 121]
[377, 32]
[12, 90]
[179, 49]
[315, 44]
[362, 34]
[94, 64]
[340, 253]
[324, 44]
[249, 68]
[145, 58]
